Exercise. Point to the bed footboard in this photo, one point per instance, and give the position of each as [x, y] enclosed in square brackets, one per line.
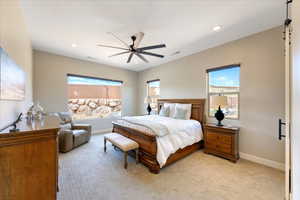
[148, 148]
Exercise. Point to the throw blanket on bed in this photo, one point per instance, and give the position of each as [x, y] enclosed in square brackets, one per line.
[158, 128]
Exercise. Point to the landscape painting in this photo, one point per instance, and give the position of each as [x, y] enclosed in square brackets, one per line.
[12, 79]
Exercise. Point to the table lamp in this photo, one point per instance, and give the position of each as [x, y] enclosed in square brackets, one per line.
[218, 102]
[148, 100]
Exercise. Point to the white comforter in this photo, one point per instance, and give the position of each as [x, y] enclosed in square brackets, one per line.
[180, 133]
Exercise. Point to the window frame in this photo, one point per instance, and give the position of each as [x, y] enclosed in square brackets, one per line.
[154, 80]
[148, 83]
[209, 94]
[93, 77]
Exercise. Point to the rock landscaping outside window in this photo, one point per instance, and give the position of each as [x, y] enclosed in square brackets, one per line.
[90, 97]
[94, 108]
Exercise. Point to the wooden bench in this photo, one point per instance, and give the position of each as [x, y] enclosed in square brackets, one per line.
[123, 143]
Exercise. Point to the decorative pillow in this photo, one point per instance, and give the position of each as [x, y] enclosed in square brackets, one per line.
[171, 106]
[164, 111]
[67, 126]
[180, 113]
[65, 117]
[187, 107]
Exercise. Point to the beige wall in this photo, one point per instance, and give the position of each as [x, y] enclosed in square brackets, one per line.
[50, 83]
[16, 42]
[262, 87]
[295, 79]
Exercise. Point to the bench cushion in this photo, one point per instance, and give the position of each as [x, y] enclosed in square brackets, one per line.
[122, 142]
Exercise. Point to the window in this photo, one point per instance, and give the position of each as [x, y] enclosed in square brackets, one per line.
[153, 90]
[225, 81]
[90, 97]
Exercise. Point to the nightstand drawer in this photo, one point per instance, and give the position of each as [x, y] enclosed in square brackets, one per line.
[225, 139]
[211, 145]
[221, 141]
[224, 148]
[211, 136]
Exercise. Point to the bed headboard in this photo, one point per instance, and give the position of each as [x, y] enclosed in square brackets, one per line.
[197, 107]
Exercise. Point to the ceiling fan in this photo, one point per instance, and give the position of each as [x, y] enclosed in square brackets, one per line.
[134, 48]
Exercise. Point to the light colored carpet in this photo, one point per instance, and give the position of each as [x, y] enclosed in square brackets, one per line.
[87, 173]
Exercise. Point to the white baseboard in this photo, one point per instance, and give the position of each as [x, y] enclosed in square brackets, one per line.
[263, 161]
[108, 130]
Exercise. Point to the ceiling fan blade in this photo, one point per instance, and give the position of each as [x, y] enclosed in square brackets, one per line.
[100, 45]
[139, 36]
[142, 57]
[117, 54]
[129, 58]
[151, 54]
[126, 45]
[152, 47]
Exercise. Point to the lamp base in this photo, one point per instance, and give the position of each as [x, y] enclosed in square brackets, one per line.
[220, 123]
[149, 109]
[219, 116]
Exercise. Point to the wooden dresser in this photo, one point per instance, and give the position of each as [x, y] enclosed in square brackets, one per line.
[29, 161]
[222, 141]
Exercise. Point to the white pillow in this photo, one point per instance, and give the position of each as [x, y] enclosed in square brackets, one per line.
[64, 127]
[187, 107]
[171, 106]
[164, 111]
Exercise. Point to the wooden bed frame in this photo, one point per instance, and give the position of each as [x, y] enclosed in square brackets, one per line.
[147, 151]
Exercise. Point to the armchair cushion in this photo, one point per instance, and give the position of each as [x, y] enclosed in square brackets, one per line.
[80, 137]
[85, 127]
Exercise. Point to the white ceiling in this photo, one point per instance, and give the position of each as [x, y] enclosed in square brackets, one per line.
[183, 25]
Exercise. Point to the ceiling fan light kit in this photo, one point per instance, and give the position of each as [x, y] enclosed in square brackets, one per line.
[134, 49]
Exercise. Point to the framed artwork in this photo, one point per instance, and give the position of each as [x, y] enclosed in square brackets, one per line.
[12, 79]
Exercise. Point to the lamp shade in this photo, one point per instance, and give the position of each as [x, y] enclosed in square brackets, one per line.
[148, 99]
[217, 101]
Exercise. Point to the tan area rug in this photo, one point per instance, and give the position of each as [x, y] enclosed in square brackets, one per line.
[87, 173]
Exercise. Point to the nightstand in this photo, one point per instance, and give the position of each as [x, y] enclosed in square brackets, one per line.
[222, 141]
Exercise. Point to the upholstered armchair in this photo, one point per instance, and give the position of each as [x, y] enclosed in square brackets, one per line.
[72, 135]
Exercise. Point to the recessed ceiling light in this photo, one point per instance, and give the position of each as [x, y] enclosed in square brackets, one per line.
[217, 28]
[74, 45]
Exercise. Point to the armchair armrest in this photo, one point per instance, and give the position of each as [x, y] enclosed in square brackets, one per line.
[65, 140]
[86, 127]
